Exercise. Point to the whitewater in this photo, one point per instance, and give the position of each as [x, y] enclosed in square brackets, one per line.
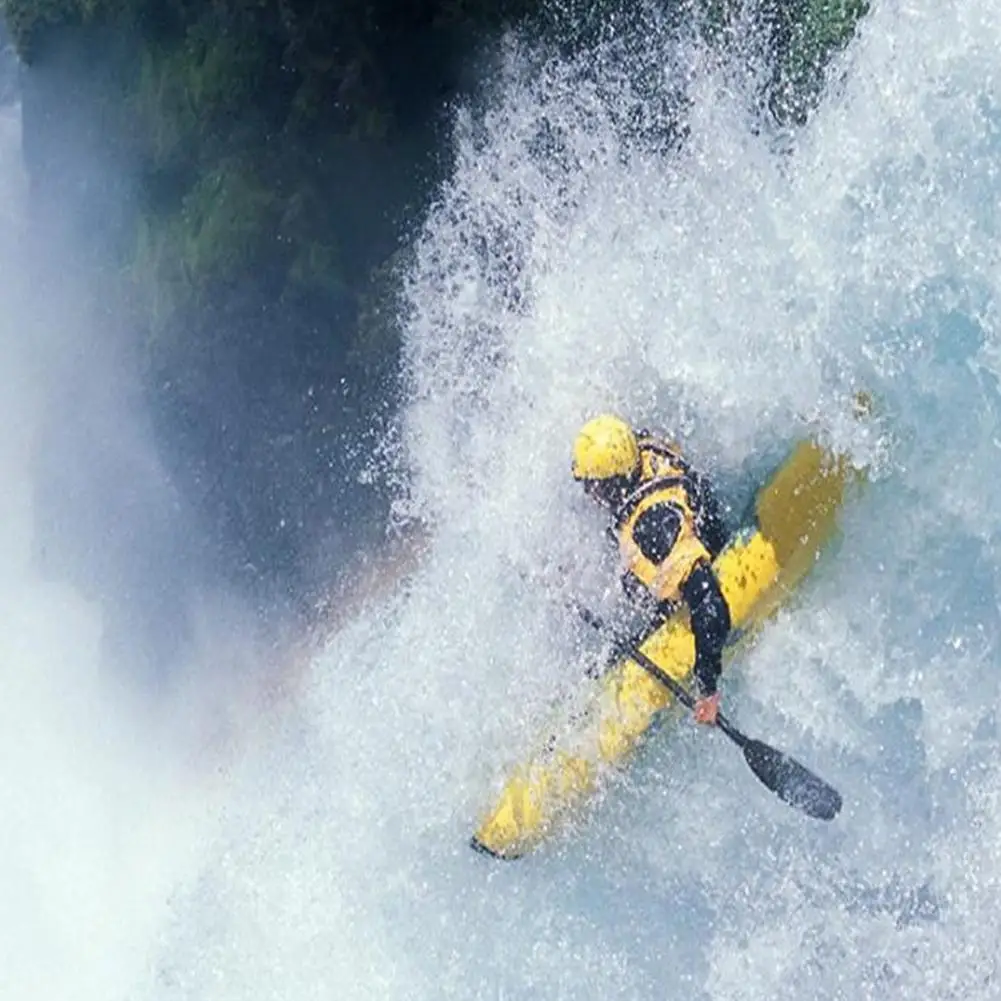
[733, 290]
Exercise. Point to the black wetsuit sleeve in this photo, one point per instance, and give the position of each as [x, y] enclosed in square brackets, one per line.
[710, 623]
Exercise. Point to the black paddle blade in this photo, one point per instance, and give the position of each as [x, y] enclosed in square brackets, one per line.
[792, 782]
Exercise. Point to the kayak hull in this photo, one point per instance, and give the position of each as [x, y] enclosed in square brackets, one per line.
[794, 518]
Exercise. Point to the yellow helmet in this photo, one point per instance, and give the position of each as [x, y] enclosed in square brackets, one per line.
[605, 447]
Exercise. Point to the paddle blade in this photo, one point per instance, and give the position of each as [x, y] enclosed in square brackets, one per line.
[792, 782]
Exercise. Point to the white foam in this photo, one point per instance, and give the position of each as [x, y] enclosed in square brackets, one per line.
[719, 293]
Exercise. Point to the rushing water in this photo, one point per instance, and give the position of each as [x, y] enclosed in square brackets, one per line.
[728, 291]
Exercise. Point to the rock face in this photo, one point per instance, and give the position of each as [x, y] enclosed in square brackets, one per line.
[225, 187]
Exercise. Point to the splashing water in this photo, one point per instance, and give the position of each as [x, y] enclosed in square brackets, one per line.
[721, 289]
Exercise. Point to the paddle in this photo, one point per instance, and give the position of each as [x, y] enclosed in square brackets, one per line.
[792, 782]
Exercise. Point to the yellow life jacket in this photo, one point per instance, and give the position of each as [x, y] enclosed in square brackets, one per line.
[665, 479]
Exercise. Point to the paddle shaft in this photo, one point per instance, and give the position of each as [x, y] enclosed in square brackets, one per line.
[790, 780]
[682, 694]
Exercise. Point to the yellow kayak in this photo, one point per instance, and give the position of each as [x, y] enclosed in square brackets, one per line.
[795, 516]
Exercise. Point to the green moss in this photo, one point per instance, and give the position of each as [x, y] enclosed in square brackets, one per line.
[188, 96]
[226, 216]
[162, 111]
[812, 32]
[223, 227]
[316, 265]
[239, 113]
[827, 25]
[28, 21]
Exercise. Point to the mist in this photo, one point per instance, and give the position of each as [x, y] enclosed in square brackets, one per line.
[199, 809]
[128, 667]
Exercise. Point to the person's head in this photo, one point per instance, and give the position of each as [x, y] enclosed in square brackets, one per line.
[606, 459]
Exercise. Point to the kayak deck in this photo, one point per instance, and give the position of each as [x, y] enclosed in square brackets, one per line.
[795, 517]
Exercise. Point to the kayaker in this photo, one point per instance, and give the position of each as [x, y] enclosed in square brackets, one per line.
[668, 527]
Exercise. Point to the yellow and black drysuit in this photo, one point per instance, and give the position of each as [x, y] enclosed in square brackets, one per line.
[668, 529]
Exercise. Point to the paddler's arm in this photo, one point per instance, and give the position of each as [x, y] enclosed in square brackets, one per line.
[710, 618]
[655, 534]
